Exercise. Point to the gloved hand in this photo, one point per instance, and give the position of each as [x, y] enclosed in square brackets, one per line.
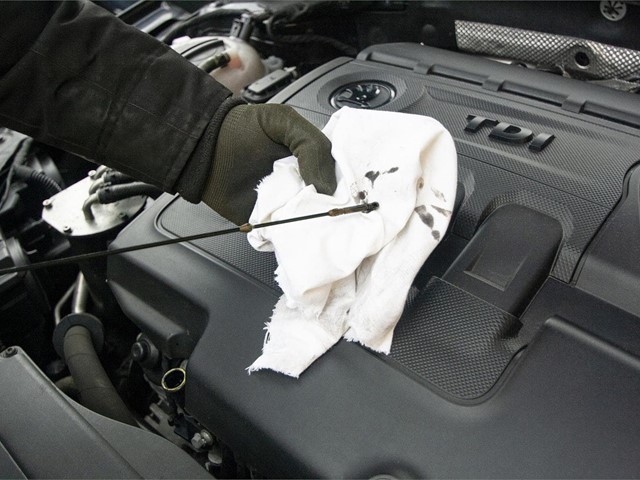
[251, 138]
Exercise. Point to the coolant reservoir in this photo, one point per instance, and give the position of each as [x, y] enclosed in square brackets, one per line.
[244, 66]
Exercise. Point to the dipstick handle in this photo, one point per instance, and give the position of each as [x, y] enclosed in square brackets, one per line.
[365, 208]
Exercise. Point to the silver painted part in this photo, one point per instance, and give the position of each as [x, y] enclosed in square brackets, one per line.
[66, 210]
[95, 186]
[88, 203]
[101, 170]
[80, 295]
[613, 10]
[79, 290]
[575, 56]
[57, 311]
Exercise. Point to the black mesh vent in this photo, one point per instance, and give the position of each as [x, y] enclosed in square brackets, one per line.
[454, 340]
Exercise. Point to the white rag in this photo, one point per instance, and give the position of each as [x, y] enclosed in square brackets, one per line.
[349, 276]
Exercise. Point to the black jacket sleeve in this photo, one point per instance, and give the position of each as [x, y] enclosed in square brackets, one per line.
[74, 76]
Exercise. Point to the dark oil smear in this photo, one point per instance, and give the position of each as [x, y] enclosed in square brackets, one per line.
[443, 211]
[372, 176]
[425, 216]
[436, 234]
[438, 194]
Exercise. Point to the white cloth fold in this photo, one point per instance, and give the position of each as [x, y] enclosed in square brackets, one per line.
[349, 275]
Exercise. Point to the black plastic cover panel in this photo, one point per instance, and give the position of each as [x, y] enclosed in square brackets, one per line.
[610, 270]
[508, 258]
[479, 383]
[577, 179]
[356, 414]
[182, 218]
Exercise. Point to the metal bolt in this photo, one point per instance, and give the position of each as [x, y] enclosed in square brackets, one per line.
[47, 203]
[10, 352]
[66, 229]
[197, 441]
[123, 215]
[92, 173]
[201, 440]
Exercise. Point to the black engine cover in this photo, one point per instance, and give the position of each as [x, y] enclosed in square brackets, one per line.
[500, 366]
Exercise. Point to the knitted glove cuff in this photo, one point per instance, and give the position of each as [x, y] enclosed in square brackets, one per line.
[191, 183]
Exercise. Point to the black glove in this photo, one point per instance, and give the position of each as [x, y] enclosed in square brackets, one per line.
[251, 138]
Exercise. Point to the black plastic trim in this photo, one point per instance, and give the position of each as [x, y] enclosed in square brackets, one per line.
[573, 95]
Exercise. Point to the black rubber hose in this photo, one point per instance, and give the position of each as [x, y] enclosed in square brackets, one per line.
[34, 177]
[116, 178]
[115, 193]
[97, 393]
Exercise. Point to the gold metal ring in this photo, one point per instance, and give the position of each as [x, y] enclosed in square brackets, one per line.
[178, 384]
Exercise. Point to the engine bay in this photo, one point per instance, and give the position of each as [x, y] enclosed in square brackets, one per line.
[517, 351]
